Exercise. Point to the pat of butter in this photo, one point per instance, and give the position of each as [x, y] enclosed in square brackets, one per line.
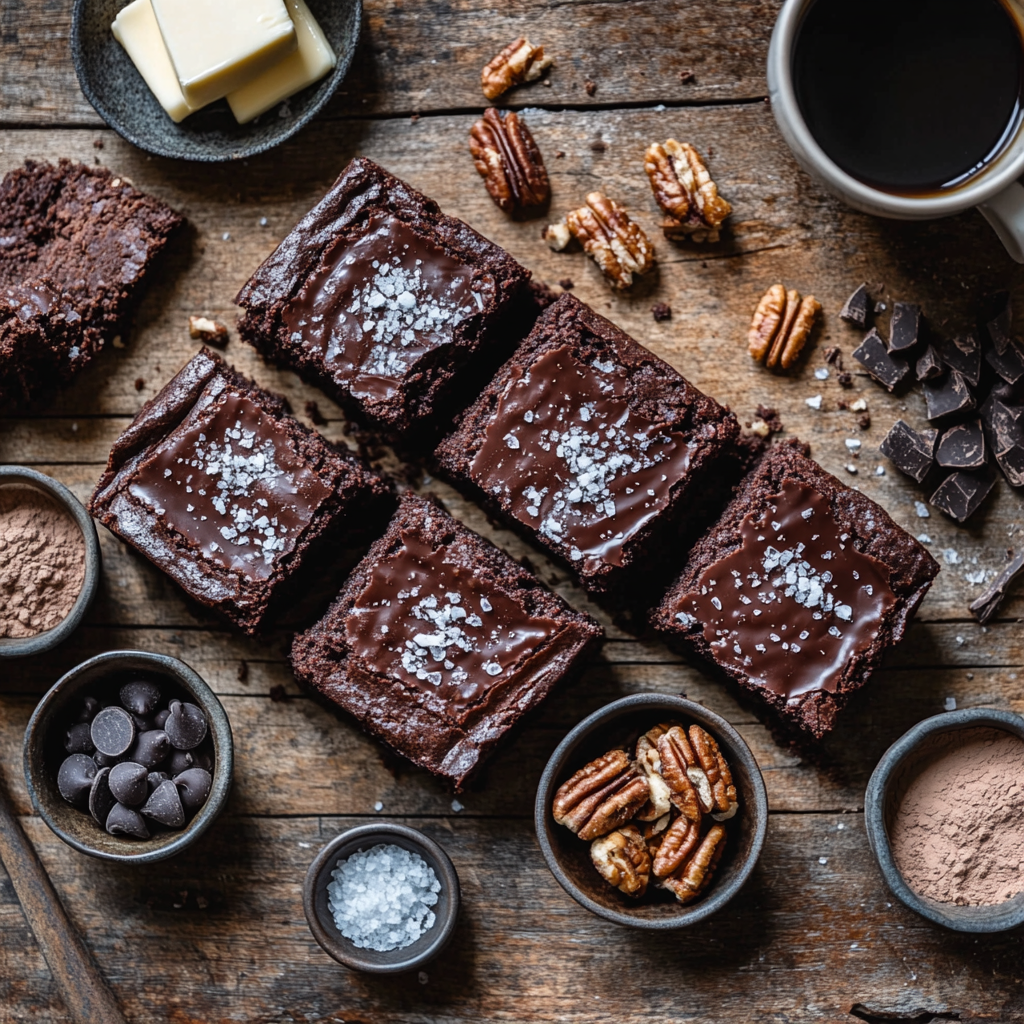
[313, 59]
[135, 28]
[217, 46]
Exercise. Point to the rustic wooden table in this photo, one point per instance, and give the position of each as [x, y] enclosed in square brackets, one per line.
[218, 933]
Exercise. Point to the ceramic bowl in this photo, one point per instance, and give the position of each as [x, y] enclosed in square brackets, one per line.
[881, 800]
[115, 88]
[620, 724]
[44, 752]
[16, 647]
[321, 920]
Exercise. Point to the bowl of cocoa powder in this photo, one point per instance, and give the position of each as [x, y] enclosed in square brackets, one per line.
[944, 813]
[49, 562]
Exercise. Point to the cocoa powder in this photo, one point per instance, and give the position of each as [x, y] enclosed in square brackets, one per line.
[958, 832]
[42, 562]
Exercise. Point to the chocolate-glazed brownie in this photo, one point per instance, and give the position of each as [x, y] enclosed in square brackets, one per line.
[76, 244]
[439, 642]
[588, 444]
[382, 301]
[215, 484]
[797, 591]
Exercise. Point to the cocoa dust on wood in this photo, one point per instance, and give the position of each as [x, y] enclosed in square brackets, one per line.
[958, 832]
[42, 562]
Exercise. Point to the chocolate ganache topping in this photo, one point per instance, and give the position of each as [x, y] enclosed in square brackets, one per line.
[795, 601]
[565, 454]
[230, 480]
[375, 305]
[424, 618]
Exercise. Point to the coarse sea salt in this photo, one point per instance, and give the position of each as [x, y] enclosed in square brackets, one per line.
[381, 897]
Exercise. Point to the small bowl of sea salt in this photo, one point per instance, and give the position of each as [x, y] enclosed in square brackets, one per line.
[381, 898]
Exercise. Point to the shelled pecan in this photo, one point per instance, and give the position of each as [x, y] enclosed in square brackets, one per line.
[519, 62]
[622, 859]
[717, 772]
[781, 325]
[601, 796]
[509, 161]
[683, 188]
[695, 876]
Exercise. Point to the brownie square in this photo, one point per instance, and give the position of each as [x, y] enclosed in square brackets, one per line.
[797, 591]
[382, 301]
[439, 643]
[215, 484]
[588, 444]
[76, 244]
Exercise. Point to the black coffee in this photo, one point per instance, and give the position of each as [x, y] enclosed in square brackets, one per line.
[910, 96]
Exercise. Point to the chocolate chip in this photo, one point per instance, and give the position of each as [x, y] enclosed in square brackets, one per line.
[179, 761]
[904, 326]
[195, 785]
[948, 396]
[185, 725]
[88, 709]
[128, 783]
[74, 779]
[160, 718]
[910, 452]
[855, 309]
[105, 761]
[164, 805]
[1009, 364]
[962, 447]
[151, 748]
[101, 800]
[78, 739]
[113, 731]
[961, 493]
[155, 778]
[140, 696]
[929, 365]
[986, 605]
[126, 821]
[873, 355]
[963, 354]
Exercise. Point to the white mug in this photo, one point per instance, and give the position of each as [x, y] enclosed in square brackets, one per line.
[995, 189]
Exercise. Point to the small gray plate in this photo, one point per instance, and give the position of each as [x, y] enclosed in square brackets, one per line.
[116, 89]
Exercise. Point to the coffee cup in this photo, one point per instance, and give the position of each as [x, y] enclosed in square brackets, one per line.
[992, 184]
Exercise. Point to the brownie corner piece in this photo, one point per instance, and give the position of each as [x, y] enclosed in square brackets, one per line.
[589, 445]
[797, 591]
[225, 492]
[383, 301]
[438, 643]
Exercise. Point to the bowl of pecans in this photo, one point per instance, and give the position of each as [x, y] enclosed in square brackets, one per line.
[652, 812]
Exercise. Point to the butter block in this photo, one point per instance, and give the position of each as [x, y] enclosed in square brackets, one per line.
[217, 46]
[135, 28]
[313, 59]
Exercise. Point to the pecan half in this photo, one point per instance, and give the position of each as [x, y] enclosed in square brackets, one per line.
[614, 241]
[691, 790]
[601, 796]
[622, 860]
[719, 776]
[648, 761]
[676, 845]
[509, 161]
[781, 325]
[693, 878]
[685, 191]
[519, 62]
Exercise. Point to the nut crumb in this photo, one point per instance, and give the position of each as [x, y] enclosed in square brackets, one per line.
[209, 331]
[687, 77]
[519, 62]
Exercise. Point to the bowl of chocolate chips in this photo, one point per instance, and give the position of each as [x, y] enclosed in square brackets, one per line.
[129, 757]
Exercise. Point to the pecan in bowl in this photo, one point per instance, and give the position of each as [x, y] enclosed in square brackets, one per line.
[509, 161]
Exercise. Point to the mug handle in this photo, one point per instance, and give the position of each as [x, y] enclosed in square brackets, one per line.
[1005, 212]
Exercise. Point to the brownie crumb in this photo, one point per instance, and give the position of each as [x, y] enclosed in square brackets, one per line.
[590, 87]
[414, 118]
[314, 413]
[845, 379]
[541, 293]
[864, 420]
[97, 143]
[598, 145]
[687, 77]
[661, 311]
[560, 155]
[243, 670]
[278, 694]
[140, 383]
[567, 284]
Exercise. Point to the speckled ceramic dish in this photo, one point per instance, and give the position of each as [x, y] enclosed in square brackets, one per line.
[114, 87]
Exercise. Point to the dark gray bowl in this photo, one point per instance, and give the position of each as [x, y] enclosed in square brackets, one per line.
[881, 801]
[116, 89]
[321, 920]
[621, 723]
[11, 647]
[43, 753]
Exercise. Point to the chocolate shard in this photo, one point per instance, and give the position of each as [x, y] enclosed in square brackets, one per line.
[904, 326]
[986, 605]
[963, 354]
[962, 447]
[929, 366]
[1004, 424]
[873, 355]
[961, 493]
[1009, 363]
[855, 310]
[997, 317]
[948, 396]
[910, 451]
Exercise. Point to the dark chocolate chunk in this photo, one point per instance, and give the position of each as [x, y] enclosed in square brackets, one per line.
[87, 712]
[855, 310]
[194, 785]
[873, 355]
[79, 739]
[929, 366]
[1005, 426]
[140, 697]
[948, 396]
[74, 779]
[151, 748]
[126, 821]
[160, 718]
[963, 354]
[1009, 453]
[164, 805]
[986, 605]
[904, 326]
[185, 725]
[113, 731]
[202, 756]
[142, 723]
[106, 761]
[1009, 364]
[155, 778]
[910, 451]
[101, 800]
[961, 493]
[997, 316]
[128, 783]
[962, 447]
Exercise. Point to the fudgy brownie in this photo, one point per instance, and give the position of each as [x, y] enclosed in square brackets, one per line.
[75, 245]
[382, 301]
[439, 643]
[590, 445]
[797, 590]
[215, 484]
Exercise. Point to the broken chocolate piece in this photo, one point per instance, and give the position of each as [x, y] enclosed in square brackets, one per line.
[963, 354]
[985, 606]
[855, 311]
[1009, 453]
[997, 317]
[962, 447]
[910, 451]
[929, 366]
[1009, 363]
[960, 494]
[873, 355]
[948, 396]
[1004, 424]
[904, 326]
